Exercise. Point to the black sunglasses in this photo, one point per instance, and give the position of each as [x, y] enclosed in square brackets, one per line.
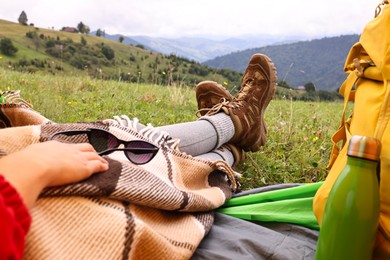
[138, 152]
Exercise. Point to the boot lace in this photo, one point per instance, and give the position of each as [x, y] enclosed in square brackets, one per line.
[231, 175]
[236, 103]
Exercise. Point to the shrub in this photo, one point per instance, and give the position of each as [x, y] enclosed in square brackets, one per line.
[79, 62]
[7, 47]
[108, 52]
[50, 43]
[31, 35]
[198, 70]
[83, 41]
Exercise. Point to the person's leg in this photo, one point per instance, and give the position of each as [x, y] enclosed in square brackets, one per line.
[238, 121]
[247, 108]
[202, 136]
[229, 153]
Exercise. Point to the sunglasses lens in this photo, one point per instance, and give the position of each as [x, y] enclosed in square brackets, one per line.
[141, 152]
[102, 140]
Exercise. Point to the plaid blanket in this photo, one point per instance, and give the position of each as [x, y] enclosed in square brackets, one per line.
[159, 210]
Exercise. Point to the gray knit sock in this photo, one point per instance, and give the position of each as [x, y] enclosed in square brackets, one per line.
[221, 153]
[226, 154]
[223, 126]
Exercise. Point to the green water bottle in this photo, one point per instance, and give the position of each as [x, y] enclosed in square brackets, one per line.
[351, 214]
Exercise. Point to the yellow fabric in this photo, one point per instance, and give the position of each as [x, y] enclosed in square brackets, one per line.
[368, 66]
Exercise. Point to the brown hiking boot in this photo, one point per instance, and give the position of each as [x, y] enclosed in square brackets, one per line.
[247, 108]
[210, 93]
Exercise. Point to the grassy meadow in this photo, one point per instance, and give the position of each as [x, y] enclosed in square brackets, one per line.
[299, 133]
[63, 53]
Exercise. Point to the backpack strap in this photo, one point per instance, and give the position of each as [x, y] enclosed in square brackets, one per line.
[341, 133]
[384, 116]
[356, 63]
[378, 9]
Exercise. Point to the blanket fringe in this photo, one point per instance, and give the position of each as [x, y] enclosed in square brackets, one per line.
[232, 175]
[149, 131]
[12, 98]
[162, 138]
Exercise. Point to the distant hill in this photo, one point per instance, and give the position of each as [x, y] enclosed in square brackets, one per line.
[163, 61]
[115, 37]
[202, 49]
[319, 61]
[66, 53]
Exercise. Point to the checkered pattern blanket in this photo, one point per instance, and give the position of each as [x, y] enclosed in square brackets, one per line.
[160, 210]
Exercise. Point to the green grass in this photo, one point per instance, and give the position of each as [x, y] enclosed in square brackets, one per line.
[71, 99]
[299, 144]
[299, 133]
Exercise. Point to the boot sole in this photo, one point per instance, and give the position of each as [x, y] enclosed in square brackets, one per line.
[271, 92]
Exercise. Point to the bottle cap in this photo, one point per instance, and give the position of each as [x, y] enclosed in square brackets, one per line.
[364, 147]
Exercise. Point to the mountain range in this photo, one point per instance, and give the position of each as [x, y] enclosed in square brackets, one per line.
[298, 61]
[319, 61]
[202, 49]
[149, 59]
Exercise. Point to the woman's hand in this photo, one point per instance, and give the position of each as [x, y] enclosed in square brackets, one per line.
[49, 164]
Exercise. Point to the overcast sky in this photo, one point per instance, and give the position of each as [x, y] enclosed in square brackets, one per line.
[206, 18]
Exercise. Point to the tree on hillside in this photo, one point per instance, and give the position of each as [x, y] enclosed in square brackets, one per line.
[98, 33]
[121, 39]
[108, 52]
[7, 47]
[23, 18]
[83, 28]
[87, 30]
[309, 87]
[283, 84]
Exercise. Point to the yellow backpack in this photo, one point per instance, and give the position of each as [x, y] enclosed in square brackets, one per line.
[367, 85]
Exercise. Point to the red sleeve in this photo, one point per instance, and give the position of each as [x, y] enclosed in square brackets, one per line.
[15, 222]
